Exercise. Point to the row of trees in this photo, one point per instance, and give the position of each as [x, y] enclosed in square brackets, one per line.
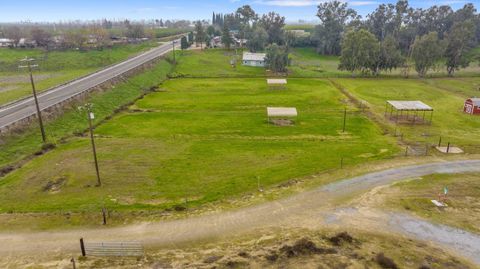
[395, 36]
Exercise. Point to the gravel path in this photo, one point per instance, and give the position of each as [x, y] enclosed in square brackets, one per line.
[305, 209]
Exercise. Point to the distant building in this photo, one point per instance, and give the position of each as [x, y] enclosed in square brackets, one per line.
[5, 42]
[254, 59]
[472, 106]
[299, 33]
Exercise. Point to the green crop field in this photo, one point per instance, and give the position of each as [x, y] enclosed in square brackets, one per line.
[200, 139]
[56, 67]
[449, 121]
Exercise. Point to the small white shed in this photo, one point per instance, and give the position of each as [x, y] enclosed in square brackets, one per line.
[254, 59]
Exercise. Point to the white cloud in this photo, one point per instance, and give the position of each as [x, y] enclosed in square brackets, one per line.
[304, 3]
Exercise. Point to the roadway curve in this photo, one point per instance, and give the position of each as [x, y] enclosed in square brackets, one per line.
[24, 108]
[314, 209]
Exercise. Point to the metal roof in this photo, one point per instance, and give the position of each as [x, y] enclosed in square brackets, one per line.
[281, 111]
[476, 101]
[249, 56]
[276, 81]
[410, 105]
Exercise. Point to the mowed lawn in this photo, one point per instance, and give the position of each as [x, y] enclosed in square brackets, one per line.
[449, 121]
[201, 140]
[306, 62]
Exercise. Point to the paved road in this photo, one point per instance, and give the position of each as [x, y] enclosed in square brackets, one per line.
[308, 209]
[17, 111]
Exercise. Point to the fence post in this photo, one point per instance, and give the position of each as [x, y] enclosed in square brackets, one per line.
[426, 150]
[82, 247]
[104, 216]
[448, 147]
[73, 263]
[341, 163]
[344, 119]
[406, 151]
[440, 142]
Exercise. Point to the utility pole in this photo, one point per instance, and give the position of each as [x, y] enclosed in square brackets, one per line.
[90, 116]
[29, 66]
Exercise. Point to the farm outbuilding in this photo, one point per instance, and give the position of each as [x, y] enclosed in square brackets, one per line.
[281, 115]
[254, 59]
[409, 112]
[472, 106]
[275, 83]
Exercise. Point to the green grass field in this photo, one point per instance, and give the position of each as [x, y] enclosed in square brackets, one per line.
[449, 121]
[56, 67]
[200, 139]
[462, 199]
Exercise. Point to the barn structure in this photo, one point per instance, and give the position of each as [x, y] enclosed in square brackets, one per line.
[254, 59]
[472, 106]
[277, 84]
[282, 116]
[412, 112]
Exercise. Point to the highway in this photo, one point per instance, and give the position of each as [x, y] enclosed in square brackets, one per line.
[24, 108]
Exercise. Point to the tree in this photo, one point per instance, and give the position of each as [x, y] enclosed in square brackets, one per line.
[200, 34]
[14, 33]
[273, 23]
[427, 51]
[276, 59]
[101, 36]
[226, 37]
[460, 40]
[334, 17]
[135, 31]
[360, 52]
[40, 36]
[245, 15]
[211, 31]
[190, 38]
[390, 56]
[257, 40]
[184, 43]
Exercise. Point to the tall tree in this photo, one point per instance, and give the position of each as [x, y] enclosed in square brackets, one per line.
[257, 40]
[334, 16]
[277, 58]
[184, 43]
[14, 33]
[360, 52]
[427, 51]
[226, 36]
[273, 23]
[390, 57]
[40, 36]
[200, 34]
[460, 40]
[245, 15]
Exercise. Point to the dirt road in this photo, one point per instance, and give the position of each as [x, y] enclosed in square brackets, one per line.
[314, 208]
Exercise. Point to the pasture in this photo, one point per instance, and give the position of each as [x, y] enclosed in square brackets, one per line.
[197, 141]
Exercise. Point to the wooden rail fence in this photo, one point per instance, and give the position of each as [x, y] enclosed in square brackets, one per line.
[133, 249]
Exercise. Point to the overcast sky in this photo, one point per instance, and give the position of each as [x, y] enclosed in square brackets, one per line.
[293, 10]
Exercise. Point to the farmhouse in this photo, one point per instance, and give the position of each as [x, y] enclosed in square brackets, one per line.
[408, 112]
[472, 106]
[281, 115]
[277, 83]
[254, 59]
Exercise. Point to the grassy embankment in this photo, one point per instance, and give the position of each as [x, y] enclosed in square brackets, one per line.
[56, 67]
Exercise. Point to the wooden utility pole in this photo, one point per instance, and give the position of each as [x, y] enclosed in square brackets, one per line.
[29, 66]
[90, 116]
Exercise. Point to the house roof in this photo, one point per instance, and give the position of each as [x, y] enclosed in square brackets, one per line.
[276, 81]
[249, 56]
[475, 101]
[281, 111]
[410, 105]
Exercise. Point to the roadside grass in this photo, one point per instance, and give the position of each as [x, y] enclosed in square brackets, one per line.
[56, 67]
[449, 121]
[18, 146]
[462, 199]
[197, 141]
[214, 63]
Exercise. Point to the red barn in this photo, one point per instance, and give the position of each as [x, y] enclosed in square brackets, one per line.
[472, 106]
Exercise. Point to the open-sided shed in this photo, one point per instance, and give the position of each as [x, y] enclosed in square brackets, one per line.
[408, 112]
[277, 83]
[281, 115]
[472, 106]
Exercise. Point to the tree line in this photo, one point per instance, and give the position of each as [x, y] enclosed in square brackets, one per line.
[398, 36]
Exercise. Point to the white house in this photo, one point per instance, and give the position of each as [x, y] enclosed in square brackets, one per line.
[5, 42]
[254, 59]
